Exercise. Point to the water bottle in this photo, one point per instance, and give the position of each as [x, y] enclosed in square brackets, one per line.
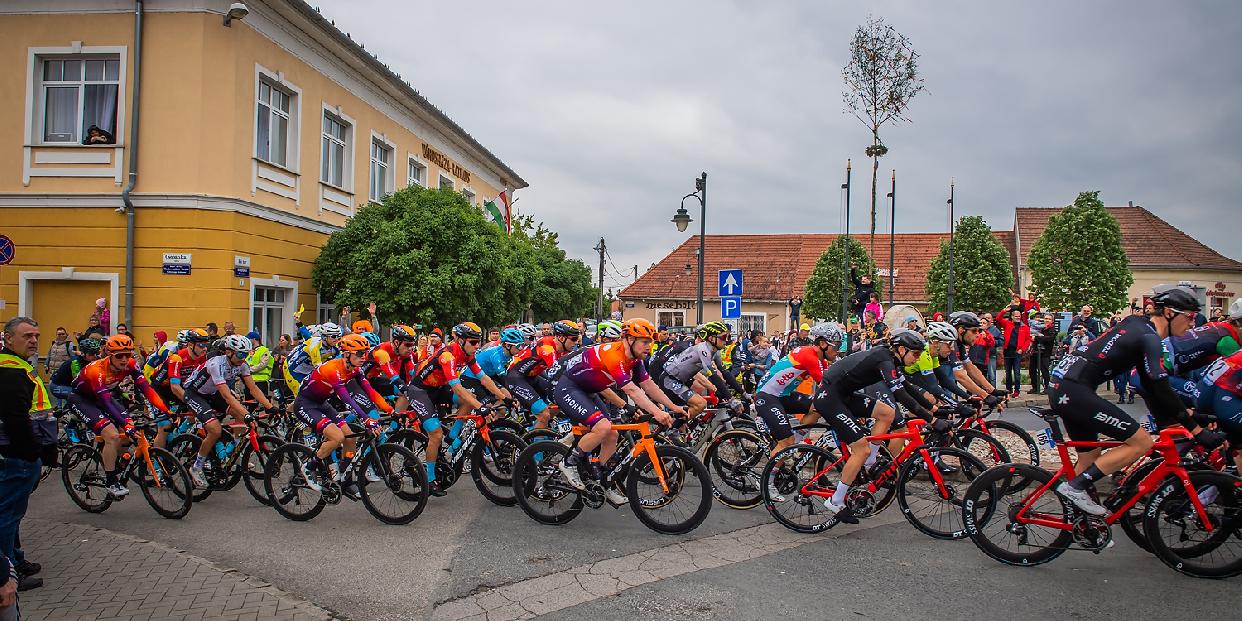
[222, 450]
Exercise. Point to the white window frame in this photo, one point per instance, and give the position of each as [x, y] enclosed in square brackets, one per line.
[276, 79]
[411, 161]
[37, 101]
[321, 306]
[391, 178]
[763, 318]
[441, 179]
[670, 324]
[291, 301]
[471, 196]
[347, 165]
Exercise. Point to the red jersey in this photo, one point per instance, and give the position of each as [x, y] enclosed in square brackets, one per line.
[391, 365]
[536, 357]
[179, 367]
[444, 368]
[98, 380]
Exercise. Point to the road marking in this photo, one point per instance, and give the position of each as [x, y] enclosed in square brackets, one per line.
[539, 596]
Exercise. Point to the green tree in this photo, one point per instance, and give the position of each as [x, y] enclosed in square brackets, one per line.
[821, 298]
[564, 289]
[429, 257]
[982, 273]
[1079, 259]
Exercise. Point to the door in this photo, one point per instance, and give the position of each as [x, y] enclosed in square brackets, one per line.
[67, 304]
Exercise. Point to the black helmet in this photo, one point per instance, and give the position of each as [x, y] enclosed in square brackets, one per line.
[90, 346]
[908, 339]
[566, 327]
[1177, 298]
[467, 330]
[965, 320]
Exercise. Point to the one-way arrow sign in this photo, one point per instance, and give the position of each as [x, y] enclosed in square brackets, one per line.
[730, 282]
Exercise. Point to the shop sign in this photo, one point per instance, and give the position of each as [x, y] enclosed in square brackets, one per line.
[445, 164]
[177, 263]
[671, 305]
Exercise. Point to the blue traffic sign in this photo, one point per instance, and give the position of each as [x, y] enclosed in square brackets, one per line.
[730, 282]
[730, 306]
[7, 250]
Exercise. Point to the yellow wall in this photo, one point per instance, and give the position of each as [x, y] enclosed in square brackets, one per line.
[777, 313]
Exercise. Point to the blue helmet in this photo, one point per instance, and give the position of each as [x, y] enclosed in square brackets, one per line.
[512, 336]
[372, 339]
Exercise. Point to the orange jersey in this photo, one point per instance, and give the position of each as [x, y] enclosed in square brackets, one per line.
[98, 380]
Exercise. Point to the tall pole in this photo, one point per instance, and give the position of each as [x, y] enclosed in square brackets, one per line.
[845, 278]
[599, 303]
[892, 239]
[949, 288]
[701, 185]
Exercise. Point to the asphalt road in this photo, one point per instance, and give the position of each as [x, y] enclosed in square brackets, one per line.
[463, 547]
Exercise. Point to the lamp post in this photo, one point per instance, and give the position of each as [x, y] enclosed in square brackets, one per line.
[892, 239]
[949, 288]
[845, 263]
[682, 220]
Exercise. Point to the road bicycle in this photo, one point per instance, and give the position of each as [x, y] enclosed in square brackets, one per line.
[1192, 520]
[164, 482]
[232, 459]
[666, 486]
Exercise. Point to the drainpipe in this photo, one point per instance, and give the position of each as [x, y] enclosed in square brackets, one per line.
[133, 167]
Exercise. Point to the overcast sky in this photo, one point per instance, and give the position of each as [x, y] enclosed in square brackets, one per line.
[609, 110]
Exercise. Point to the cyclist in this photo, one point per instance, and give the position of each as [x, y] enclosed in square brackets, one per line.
[964, 371]
[681, 369]
[926, 373]
[608, 331]
[524, 379]
[62, 379]
[389, 378]
[209, 395]
[178, 368]
[494, 361]
[162, 352]
[1220, 393]
[436, 380]
[529, 331]
[618, 364]
[841, 401]
[95, 399]
[312, 405]
[1186, 355]
[1134, 341]
[314, 351]
[776, 396]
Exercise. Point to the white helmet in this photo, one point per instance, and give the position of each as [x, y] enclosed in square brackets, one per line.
[827, 331]
[609, 329]
[1235, 309]
[941, 331]
[237, 343]
[314, 329]
[529, 330]
[330, 330]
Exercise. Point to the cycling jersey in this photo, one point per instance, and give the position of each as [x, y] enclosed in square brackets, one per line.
[306, 357]
[857, 371]
[178, 367]
[396, 367]
[94, 391]
[445, 368]
[1132, 342]
[691, 360]
[494, 361]
[788, 372]
[1199, 347]
[214, 373]
[603, 366]
[157, 358]
[329, 379]
[536, 357]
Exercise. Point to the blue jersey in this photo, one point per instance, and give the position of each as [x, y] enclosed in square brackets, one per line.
[494, 361]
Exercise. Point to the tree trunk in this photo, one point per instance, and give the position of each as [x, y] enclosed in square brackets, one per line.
[875, 167]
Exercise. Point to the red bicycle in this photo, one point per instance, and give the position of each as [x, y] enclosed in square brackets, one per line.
[1193, 518]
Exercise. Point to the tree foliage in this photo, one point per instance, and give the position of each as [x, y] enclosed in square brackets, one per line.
[564, 289]
[821, 298]
[1079, 259]
[982, 272]
[429, 257]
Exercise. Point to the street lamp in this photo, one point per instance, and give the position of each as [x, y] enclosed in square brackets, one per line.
[682, 220]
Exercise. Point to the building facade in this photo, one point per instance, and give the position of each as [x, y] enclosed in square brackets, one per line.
[256, 139]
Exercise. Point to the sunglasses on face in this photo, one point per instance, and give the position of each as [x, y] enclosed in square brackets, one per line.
[472, 341]
[122, 356]
[572, 338]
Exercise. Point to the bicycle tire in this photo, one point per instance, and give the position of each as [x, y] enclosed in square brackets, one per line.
[185, 448]
[253, 464]
[409, 469]
[495, 479]
[1021, 438]
[947, 501]
[1170, 507]
[1132, 520]
[986, 509]
[537, 482]
[287, 489]
[982, 446]
[783, 488]
[689, 469]
[735, 461]
[173, 479]
[81, 471]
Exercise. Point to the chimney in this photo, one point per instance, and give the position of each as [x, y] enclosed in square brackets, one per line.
[1131, 203]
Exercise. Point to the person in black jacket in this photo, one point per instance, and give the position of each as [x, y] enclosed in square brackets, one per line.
[20, 450]
[863, 288]
[1043, 341]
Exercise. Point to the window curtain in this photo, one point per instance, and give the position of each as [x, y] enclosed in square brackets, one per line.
[60, 113]
[99, 109]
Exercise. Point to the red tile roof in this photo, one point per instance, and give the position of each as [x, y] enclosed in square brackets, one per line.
[777, 266]
[1149, 241]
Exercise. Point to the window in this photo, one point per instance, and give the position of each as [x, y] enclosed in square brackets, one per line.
[334, 158]
[269, 313]
[446, 182]
[272, 141]
[418, 173]
[469, 194]
[381, 169]
[326, 311]
[79, 93]
[672, 319]
[750, 322]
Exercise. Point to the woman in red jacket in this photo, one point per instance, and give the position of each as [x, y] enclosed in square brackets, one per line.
[1015, 341]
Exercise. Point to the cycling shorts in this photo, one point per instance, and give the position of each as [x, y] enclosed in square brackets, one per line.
[475, 386]
[842, 412]
[576, 404]
[317, 415]
[775, 411]
[527, 390]
[1086, 414]
[423, 404]
[206, 407]
[676, 391]
[95, 417]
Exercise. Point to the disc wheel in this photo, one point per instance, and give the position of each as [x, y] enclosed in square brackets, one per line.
[541, 491]
[491, 466]
[989, 515]
[82, 473]
[735, 460]
[935, 507]
[401, 493]
[165, 483]
[289, 488]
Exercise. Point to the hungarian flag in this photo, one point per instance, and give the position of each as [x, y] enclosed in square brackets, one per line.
[499, 208]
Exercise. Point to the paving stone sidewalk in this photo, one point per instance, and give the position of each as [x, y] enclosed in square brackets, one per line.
[92, 573]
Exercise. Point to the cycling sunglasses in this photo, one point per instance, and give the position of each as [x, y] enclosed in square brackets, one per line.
[122, 356]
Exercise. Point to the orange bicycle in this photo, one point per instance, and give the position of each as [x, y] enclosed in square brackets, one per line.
[667, 487]
[165, 483]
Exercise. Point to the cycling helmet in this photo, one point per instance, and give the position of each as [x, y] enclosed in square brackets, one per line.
[609, 329]
[118, 343]
[639, 328]
[566, 327]
[237, 343]
[404, 333]
[712, 328]
[198, 335]
[1235, 309]
[183, 337]
[529, 330]
[90, 346]
[353, 343]
[372, 338]
[941, 331]
[361, 326]
[512, 336]
[827, 332]
[330, 330]
[1177, 298]
[964, 320]
[467, 330]
[908, 339]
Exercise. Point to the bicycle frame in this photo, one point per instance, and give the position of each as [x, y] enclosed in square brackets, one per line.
[914, 437]
[644, 444]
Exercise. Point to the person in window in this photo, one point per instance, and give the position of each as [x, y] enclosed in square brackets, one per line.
[96, 135]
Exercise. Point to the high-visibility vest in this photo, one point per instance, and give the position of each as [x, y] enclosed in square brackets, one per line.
[264, 374]
[41, 401]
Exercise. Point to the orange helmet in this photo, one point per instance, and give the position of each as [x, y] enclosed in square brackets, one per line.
[118, 343]
[360, 326]
[354, 343]
[639, 328]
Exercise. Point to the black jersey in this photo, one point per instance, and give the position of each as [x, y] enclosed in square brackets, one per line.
[1133, 342]
[857, 371]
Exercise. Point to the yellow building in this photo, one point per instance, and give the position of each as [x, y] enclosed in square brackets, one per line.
[255, 136]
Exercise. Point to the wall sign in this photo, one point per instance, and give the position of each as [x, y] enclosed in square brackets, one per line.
[177, 263]
[241, 266]
[672, 305]
[445, 164]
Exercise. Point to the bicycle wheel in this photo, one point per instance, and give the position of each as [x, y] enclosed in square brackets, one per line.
[993, 500]
[981, 446]
[735, 461]
[415, 441]
[1022, 448]
[936, 509]
[253, 463]
[787, 478]
[401, 494]
[167, 487]
[491, 466]
[540, 489]
[540, 435]
[1132, 520]
[288, 488]
[1178, 534]
[185, 448]
[687, 500]
[82, 473]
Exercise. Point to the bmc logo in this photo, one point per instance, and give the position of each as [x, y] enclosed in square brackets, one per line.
[1109, 420]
